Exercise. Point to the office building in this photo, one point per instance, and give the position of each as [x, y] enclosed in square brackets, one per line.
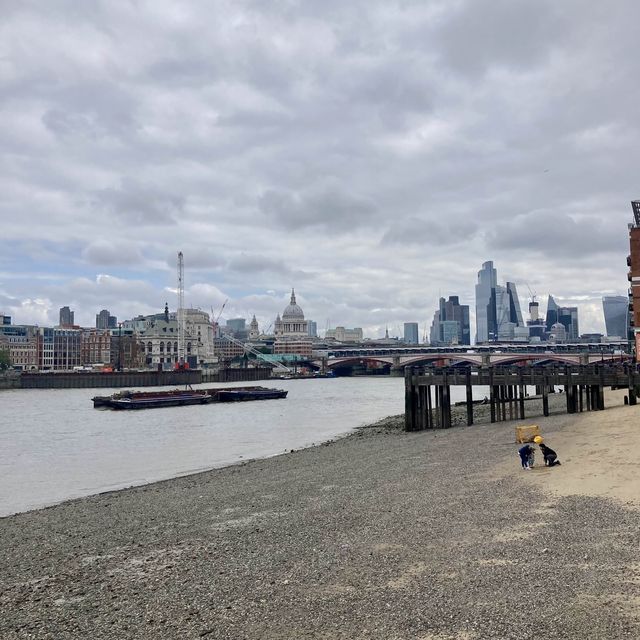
[498, 310]
[566, 316]
[450, 323]
[237, 328]
[66, 317]
[312, 328]
[342, 334]
[616, 316]
[104, 320]
[411, 333]
[486, 325]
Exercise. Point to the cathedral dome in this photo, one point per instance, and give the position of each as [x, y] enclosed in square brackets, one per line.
[292, 310]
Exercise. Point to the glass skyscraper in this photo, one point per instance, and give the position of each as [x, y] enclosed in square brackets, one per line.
[616, 315]
[497, 308]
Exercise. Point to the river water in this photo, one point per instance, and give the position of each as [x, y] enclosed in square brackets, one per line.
[55, 446]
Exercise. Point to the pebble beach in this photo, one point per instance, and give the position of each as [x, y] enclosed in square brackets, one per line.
[382, 534]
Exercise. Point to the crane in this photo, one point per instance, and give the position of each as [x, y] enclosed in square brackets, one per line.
[180, 310]
[214, 320]
[277, 366]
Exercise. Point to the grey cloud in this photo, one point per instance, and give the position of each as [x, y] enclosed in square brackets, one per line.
[558, 235]
[509, 33]
[330, 208]
[251, 263]
[111, 253]
[138, 204]
[426, 232]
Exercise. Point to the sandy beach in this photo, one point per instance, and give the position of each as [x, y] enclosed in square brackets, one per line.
[383, 535]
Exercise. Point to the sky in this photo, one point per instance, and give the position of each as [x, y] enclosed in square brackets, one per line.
[370, 154]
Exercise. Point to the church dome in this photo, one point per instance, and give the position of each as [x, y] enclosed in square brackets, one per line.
[292, 310]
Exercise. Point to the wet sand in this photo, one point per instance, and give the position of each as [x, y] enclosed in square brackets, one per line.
[384, 534]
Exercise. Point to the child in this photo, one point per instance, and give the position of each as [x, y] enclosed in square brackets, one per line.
[526, 456]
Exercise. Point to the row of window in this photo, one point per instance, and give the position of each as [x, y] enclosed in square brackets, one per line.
[149, 347]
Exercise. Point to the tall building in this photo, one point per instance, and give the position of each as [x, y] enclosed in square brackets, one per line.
[104, 320]
[616, 315]
[566, 316]
[450, 323]
[498, 310]
[411, 332]
[312, 328]
[66, 317]
[552, 313]
[237, 328]
[486, 325]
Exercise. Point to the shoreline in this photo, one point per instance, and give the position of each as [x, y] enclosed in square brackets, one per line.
[380, 534]
[392, 422]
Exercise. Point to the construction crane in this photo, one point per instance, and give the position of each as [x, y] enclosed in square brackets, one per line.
[214, 318]
[180, 310]
[277, 366]
[532, 294]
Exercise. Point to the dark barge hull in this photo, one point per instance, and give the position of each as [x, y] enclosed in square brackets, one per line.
[158, 403]
[127, 400]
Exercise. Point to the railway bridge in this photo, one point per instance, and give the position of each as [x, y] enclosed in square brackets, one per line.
[396, 359]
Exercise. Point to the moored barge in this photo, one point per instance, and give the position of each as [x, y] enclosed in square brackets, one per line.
[177, 397]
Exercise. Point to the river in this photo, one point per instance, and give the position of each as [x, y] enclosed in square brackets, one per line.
[55, 446]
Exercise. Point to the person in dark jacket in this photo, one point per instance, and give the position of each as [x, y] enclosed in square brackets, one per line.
[550, 456]
[526, 456]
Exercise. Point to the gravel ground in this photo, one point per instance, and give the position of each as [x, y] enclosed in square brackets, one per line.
[381, 535]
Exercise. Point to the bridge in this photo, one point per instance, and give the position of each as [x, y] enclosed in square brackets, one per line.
[397, 358]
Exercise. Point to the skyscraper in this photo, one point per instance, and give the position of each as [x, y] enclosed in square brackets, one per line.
[411, 332]
[451, 323]
[567, 316]
[104, 320]
[66, 317]
[616, 315]
[486, 327]
[497, 308]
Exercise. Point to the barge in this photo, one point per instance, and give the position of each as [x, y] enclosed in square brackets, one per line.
[178, 397]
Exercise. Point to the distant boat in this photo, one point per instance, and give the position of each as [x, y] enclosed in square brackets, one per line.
[128, 400]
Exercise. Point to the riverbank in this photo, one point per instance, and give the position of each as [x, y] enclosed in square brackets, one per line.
[383, 534]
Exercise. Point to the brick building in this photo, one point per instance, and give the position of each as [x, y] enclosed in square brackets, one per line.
[633, 261]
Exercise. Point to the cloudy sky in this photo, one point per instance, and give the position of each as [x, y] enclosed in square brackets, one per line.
[371, 154]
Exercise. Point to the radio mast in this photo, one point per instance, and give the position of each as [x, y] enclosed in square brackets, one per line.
[180, 310]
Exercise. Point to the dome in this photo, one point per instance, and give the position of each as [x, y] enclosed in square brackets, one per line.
[292, 310]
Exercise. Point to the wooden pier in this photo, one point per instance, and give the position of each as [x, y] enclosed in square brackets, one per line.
[428, 390]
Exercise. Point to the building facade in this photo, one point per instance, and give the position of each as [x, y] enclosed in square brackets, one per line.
[342, 334]
[450, 323]
[498, 310]
[616, 315]
[633, 261]
[411, 333]
[66, 317]
[104, 320]
[21, 344]
[292, 331]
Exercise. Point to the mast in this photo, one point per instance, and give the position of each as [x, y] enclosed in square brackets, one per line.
[180, 310]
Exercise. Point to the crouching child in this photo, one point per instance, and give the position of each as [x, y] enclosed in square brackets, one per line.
[526, 454]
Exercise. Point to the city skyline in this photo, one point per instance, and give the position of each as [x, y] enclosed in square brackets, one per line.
[283, 147]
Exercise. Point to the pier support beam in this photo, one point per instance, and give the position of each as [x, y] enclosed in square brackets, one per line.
[469, 400]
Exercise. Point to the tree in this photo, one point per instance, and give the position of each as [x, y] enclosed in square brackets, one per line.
[5, 362]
